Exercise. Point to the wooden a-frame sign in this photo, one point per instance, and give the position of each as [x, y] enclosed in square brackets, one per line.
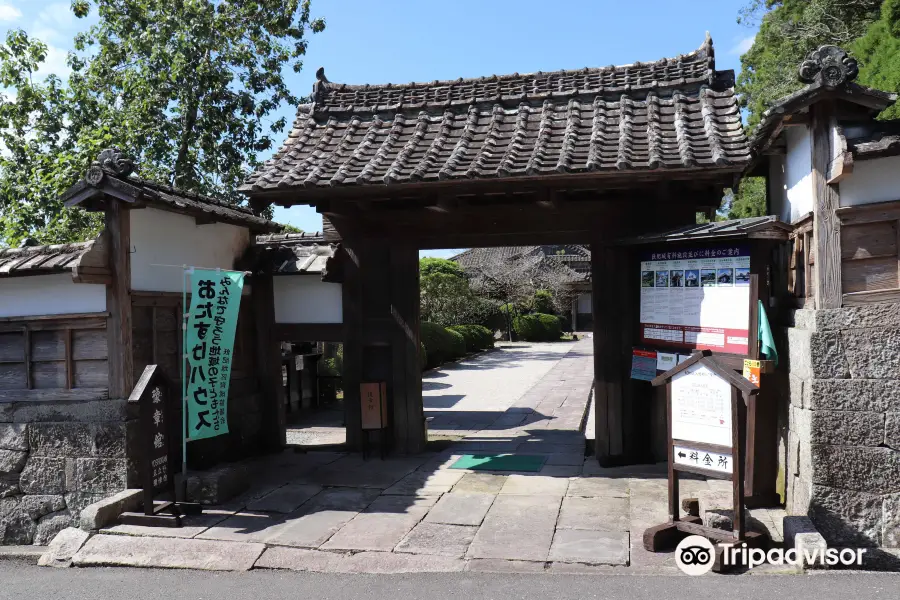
[706, 404]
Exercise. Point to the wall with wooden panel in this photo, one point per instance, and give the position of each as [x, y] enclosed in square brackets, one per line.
[870, 252]
[307, 299]
[41, 358]
[55, 294]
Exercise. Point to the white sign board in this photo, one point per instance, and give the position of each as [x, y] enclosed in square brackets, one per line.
[701, 407]
[711, 461]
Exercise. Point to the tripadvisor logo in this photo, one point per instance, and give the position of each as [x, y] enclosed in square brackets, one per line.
[695, 555]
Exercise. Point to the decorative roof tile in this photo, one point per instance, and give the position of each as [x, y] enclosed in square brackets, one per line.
[674, 113]
[57, 258]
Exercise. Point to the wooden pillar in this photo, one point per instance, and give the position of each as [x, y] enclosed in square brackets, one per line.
[609, 326]
[409, 415]
[268, 365]
[826, 227]
[118, 300]
[352, 300]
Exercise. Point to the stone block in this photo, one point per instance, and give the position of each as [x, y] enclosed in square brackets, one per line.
[793, 455]
[890, 528]
[799, 391]
[63, 547]
[109, 440]
[800, 422]
[799, 353]
[12, 461]
[847, 428]
[9, 484]
[870, 395]
[810, 546]
[105, 512]
[593, 547]
[892, 430]
[39, 505]
[845, 517]
[795, 524]
[90, 411]
[869, 470]
[43, 475]
[219, 484]
[98, 475]
[50, 525]
[827, 356]
[802, 318]
[128, 551]
[16, 527]
[67, 440]
[7, 410]
[872, 353]
[856, 317]
[799, 493]
[77, 501]
[14, 436]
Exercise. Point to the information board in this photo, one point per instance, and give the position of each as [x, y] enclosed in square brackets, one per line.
[697, 298]
[701, 407]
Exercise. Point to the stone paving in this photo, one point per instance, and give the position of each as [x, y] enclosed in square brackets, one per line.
[335, 512]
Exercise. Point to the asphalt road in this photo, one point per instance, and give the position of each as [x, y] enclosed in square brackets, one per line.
[22, 581]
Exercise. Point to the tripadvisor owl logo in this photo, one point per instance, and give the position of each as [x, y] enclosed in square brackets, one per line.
[695, 555]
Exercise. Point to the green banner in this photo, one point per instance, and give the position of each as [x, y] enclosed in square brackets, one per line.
[209, 342]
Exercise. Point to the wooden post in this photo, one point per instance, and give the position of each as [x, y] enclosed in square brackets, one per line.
[353, 341]
[409, 424]
[118, 300]
[268, 355]
[826, 227]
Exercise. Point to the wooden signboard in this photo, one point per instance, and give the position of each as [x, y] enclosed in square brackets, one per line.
[707, 407]
[151, 394]
[374, 405]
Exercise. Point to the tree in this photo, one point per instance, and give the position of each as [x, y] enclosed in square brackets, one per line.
[748, 201]
[878, 54]
[185, 87]
[789, 30]
[430, 266]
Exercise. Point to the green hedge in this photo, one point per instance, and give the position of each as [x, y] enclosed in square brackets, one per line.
[537, 327]
[440, 344]
[457, 344]
[476, 336]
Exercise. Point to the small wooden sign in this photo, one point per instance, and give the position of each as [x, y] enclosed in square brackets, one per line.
[707, 408]
[752, 371]
[373, 397]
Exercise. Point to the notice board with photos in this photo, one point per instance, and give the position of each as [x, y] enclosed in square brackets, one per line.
[697, 298]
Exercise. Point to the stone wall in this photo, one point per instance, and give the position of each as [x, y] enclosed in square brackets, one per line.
[842, 460]
[55, 459]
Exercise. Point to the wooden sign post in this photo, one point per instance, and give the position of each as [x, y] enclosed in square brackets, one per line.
[151, 394]
[373, 397]
[706, 404]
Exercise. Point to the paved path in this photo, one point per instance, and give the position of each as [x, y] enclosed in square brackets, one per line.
[334, 512]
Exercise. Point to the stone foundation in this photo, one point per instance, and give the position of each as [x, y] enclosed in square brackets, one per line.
[55, 459]
[842, 455]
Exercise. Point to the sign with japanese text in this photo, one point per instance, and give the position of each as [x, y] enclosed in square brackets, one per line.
[374, 405]
[643, 364]
[151, 393]
[209, 343]
[697, 298]
[701, 407]
[752, 369]
[704, 459]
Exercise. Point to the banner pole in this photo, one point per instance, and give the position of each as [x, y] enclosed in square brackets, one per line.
[184, 383]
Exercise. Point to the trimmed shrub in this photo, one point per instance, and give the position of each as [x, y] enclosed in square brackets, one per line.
[537, 328]
[476, 336]
[542, 302]
[457, 344]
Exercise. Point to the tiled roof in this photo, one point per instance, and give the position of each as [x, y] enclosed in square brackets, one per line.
[575, 258]
[769, 227]
[874, 140]
[291, 239]
[295, 253]
[58, 258]
[674, 113]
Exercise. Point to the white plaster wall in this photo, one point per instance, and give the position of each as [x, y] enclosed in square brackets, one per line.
[584, 304]
[161, 237]
[49, 295]
[307, 299]
[876, 180]
[778, 204]
[798, 181]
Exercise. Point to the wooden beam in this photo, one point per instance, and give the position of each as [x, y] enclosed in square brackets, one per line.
[118, 301]
[70, 363]
[826, 229]
[268, 362]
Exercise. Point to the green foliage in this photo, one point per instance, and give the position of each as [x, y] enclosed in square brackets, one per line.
[430, 266]
[789, 30]
[290, 229]
[749, 201]
[334, 366]
[476, 336]
[457, 344]
[542, 302]
[878, 53]
[186, 88]
[537, 327]
[439, 343]
[423, 357]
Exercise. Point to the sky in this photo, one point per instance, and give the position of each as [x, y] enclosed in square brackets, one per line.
[399, 41]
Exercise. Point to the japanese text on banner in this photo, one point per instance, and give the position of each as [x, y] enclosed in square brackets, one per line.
[212, 320]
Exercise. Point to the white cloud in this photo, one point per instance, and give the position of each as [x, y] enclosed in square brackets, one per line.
[55, 62]
[743, 45]
[8, 12]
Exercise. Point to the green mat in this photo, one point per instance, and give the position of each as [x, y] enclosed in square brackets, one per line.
[500, 462]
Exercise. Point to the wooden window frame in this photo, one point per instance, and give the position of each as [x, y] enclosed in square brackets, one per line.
[870, 214]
